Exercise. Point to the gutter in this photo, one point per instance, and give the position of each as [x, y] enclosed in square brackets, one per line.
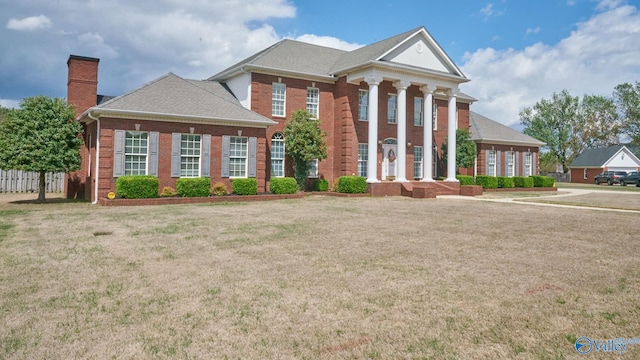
[97, 119]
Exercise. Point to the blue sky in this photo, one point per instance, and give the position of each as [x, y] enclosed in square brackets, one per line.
[515, 52]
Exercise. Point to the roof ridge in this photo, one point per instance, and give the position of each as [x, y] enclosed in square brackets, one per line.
[193, 83]
[139, 88]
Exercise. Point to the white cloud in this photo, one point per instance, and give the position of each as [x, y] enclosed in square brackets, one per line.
[599, 54]
[10, 104]
[489, 11]
[328, 41]
[533, 30]
[30, 23]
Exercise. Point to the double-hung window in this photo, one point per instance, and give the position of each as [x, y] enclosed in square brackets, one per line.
[491, 163]
[237, 156]
[417, 162]
[278, 93]
[392, 108]
[511, 162]
[417, 111]
[527, 164]
[435, 116]
[190, 151]
[313, 100]
[136, 150]
[312, 167]
[363, 105]
[277, 155]
[363, 157]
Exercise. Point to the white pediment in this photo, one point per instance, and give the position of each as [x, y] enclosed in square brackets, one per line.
[623, 159]
[422, 52]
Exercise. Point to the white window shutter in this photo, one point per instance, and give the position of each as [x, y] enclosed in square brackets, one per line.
[118, 153]
[206, 156]
[153, 152]
[253, 148]
[225, 155]
[176, 139]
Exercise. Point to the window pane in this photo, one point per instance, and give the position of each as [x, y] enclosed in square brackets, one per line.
[238, 156]
[277, 99]
[417, 162]
[135, 150]
[277, 155]
[417, 111]
[190, 155]
[363, 156]
[363, 105]
[312, 101]
[392, 103]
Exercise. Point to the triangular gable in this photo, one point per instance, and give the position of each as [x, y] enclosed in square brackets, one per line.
[422, 51]
[623, 158]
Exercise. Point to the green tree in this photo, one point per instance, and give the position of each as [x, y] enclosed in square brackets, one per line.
[465, 149]
[4, 112]
[555, 122]
[304, 142]
[627, 98]
[599, 125]
[42, 136]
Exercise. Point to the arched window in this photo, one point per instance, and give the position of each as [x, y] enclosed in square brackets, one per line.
[277, 155]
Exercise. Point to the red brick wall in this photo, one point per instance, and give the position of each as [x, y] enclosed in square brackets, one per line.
[107, 182]
[501, 158]
[82, 83]
[577, 175]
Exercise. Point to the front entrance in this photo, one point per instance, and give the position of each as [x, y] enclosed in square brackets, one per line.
[389, 162]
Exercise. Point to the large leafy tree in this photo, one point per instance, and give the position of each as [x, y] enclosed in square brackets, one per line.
[599, 124]
[304, 142]
[42, 136]
[627, 98]
[465, 149]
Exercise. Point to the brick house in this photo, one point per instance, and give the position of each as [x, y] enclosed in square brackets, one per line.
[381, 106]
[501, 150]
[591, 162]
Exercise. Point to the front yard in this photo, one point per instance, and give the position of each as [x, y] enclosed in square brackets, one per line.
[319, 277]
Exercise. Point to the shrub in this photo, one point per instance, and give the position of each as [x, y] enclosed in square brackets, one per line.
[244, 186]
[285, 185]
[193, 187]
[321, 185]
[465, 179]
[168, 191]
[487, 182]
[543, 181]
[219, 189]
[505, 182]
[352, 184]
[522, 182]
[137, 187]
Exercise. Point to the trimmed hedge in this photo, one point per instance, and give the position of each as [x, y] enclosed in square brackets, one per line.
[321, 185]
[244, 186]
[505, 182]
[523, 181]
[543, 181]
[137, 187]
[352, 185]
[193, 187]
[487, 182]
[465, 179]
[285, 185]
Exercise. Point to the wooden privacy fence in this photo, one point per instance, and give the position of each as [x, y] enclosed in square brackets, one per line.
[17, 181]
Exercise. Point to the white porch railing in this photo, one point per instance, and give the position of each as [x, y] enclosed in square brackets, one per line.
[18, 181]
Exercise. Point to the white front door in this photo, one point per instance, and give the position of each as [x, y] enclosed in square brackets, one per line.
[389, 152]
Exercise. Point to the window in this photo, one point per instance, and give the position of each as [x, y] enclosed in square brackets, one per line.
[363, 156]
[527, 164]
[312, 167]
[491, 163]
[584, 173]
[237, 156]
[363, 105]
[392, 108]
[435, 116]
[313, 99]
[417, 162]
[511, 163]
[136, 149]
[277, 155]
[190, 155]
[417, 111]
[277, 99]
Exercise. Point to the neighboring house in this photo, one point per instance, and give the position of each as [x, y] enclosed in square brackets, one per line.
[381, 106]
[591, 162]
[501, 150]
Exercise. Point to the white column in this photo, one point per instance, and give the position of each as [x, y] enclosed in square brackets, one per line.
[451, 136]
[372, 163]
[401, 175]
[427, 150]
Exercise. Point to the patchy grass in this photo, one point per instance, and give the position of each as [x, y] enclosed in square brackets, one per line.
[609, 200]
[319, 277]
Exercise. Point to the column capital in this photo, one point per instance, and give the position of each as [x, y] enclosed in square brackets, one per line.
[373, 79]
[453, 92]
[402, 84]
[428, 89]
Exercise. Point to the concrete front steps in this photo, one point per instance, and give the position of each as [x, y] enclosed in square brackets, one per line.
[422, 190]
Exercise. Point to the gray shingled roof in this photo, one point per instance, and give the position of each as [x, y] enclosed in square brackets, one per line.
[173, 95]
[485, 130]
[595, 157]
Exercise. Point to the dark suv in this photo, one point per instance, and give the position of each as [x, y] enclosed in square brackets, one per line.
[632, 178]
[610, 177]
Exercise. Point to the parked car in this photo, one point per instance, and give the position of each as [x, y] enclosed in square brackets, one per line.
[609, 177]
[632, 178]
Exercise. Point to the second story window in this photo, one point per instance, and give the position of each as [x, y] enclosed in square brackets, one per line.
[313, 100]
[363, 105]
[417, 111]
[278, 99]
[392, 108]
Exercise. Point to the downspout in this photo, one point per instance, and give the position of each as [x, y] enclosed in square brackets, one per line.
[97, 119]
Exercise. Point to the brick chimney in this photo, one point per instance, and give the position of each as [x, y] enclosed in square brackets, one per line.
[82, 85]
